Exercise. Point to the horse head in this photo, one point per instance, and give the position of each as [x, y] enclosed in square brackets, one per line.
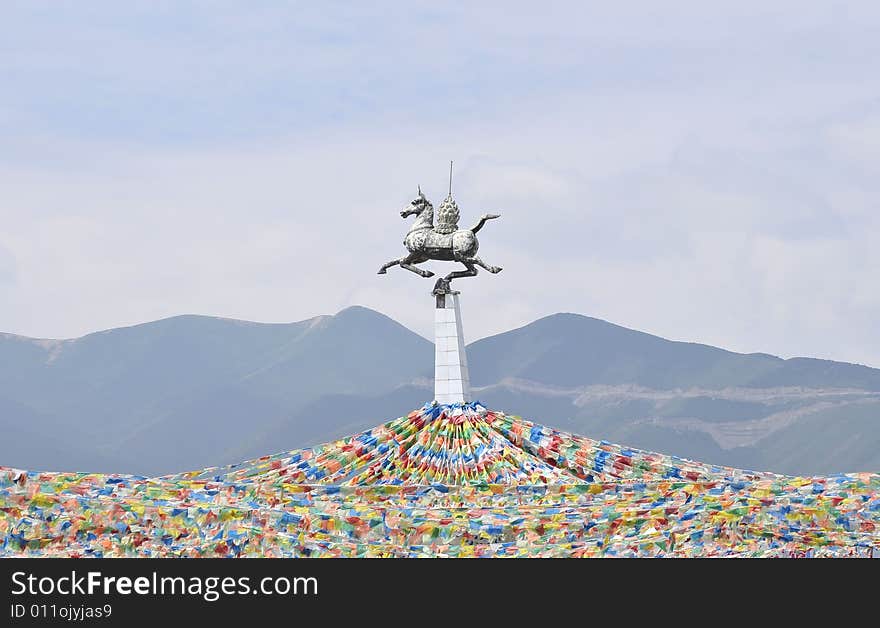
[416, 206]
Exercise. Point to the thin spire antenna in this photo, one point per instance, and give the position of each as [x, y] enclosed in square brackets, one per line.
[450, 178]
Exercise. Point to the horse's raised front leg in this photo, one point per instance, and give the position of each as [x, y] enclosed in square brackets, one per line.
[492, 269]
[407, 262]
[417, 270]
[388, 265]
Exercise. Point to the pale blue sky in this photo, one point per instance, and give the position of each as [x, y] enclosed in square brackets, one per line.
[703, 171]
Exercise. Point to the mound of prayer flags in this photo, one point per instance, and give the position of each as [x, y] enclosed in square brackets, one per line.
[444, 481]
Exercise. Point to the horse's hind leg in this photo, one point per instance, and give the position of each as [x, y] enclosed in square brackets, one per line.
[492, 269]
[470, 272]
[442, 286]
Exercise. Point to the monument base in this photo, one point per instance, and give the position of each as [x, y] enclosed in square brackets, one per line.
[451, 378]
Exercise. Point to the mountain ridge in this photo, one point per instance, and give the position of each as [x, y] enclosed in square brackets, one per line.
[51, 343]
[192, 390]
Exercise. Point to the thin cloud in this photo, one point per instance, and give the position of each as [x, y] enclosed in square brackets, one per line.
[701, 174]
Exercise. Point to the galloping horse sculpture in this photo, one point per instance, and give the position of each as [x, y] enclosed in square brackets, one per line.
[445, 241]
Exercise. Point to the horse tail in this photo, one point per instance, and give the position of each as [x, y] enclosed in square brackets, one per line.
[483, 220]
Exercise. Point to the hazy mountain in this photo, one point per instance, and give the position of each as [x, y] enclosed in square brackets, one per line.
[186, 390]
[192, 391]
[748, 410]
[570, 350]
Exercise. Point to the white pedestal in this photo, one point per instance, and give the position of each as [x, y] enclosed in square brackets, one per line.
[451, 379]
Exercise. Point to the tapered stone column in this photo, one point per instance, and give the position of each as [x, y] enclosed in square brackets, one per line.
[451, 379]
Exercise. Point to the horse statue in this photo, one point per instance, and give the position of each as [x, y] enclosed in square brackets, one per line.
[445, 241]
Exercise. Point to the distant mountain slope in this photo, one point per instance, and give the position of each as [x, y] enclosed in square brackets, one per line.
[173, 390]
[571, 350]
[195, 391]
[591, 377]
